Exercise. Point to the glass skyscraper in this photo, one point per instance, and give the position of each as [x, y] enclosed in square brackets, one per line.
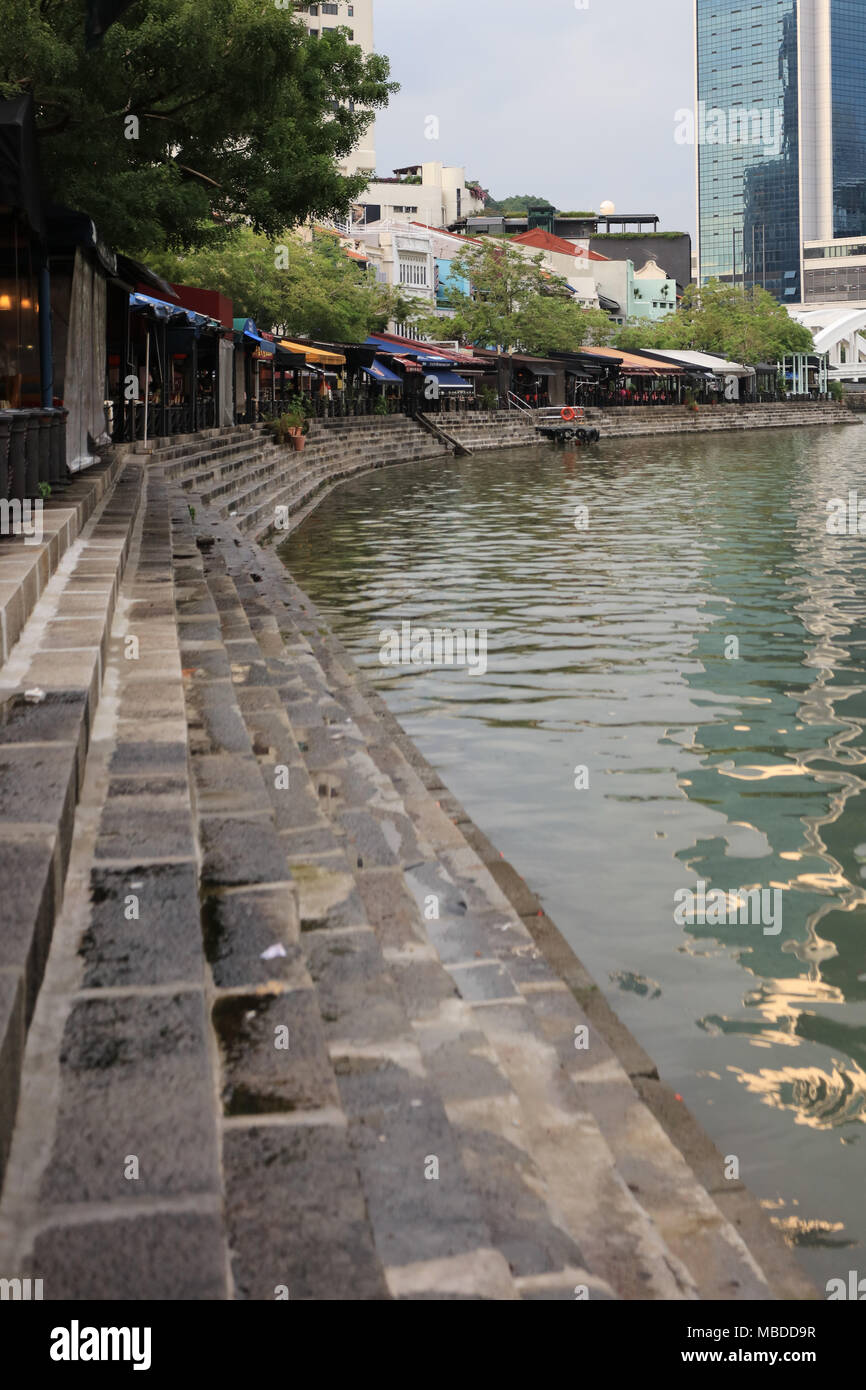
[781, 143]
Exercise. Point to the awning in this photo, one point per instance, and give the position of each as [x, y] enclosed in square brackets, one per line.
[284, 358]
[540, 371]
[171, 313]
[378, 372]
[313, 354]
[245, 328]
[407, 363]
[450, 381]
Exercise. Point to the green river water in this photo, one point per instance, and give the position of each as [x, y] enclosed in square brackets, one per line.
[741, 764]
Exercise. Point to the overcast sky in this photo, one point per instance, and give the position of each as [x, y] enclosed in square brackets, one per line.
[538, 96]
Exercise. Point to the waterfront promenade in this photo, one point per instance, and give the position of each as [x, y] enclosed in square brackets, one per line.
[301, 1031]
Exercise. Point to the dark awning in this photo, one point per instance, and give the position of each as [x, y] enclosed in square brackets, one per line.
[19, 167]
[295, 360]
[450, 381]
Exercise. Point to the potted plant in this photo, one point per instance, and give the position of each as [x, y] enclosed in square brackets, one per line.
[295, 420]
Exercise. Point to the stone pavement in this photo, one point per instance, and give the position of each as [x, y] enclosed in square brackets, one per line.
[297, 1035]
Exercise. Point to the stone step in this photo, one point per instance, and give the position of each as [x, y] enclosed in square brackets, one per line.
[355, 1056]
[25, 566]
[44, 737]
[114, 1188]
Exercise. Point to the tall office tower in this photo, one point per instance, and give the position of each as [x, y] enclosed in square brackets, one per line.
[781, 145]
[357, 17]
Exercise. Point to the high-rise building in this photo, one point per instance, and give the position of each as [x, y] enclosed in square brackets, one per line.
[357, 17]
[780, 136]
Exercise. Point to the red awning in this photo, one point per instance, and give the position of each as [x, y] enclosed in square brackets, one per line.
[407, 362]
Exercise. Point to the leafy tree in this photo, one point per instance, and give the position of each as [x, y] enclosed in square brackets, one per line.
[744, 325]
[191, 116]
[512, 302]
[288, 285]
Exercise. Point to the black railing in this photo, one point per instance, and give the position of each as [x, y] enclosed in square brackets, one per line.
[32, 455]
[162, 420]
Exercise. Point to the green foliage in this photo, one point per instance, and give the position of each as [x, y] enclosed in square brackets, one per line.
[241, 116]
[518, 203]
[288, 285]
[513, 303]
[742, 325]
[640, 236]
[836, 390]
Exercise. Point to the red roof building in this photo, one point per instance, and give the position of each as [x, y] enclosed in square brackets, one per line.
[546, 241]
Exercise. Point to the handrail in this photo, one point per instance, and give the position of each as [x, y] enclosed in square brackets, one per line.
[515, 403]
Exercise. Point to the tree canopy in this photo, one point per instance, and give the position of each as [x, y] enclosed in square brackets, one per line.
[518, 203]
[191, 116]
[512, 302]
[295, 287]
[744, 325]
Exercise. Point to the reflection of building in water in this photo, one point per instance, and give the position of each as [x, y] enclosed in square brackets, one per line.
[783, 761]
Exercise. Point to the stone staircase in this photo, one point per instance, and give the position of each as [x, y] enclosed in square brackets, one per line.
[57, 603]
[241, 473]
[645, 420]
[489, 429]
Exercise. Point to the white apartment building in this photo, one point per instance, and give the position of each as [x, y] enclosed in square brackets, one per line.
[403, 256]
[357, 17]
[432, 192]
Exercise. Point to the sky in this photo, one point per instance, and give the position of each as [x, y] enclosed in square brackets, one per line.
[540, 96]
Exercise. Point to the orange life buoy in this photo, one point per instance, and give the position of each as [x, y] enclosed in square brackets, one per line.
[568, 413]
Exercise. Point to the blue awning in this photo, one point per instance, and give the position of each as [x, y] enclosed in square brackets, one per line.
[174, 313]
[381, 373]
[246, 328]
[450, 381]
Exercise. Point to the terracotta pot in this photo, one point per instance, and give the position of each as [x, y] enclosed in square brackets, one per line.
[298, 441]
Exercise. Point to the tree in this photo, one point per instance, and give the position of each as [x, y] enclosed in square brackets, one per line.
[743, 325]
[191, 116]
[518, 203]
[288, 285]
[511, 302]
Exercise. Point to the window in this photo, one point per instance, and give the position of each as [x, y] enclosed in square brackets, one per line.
[413, 269]
[330, 9]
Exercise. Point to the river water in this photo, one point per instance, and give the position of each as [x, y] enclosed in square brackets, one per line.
[694, 640]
